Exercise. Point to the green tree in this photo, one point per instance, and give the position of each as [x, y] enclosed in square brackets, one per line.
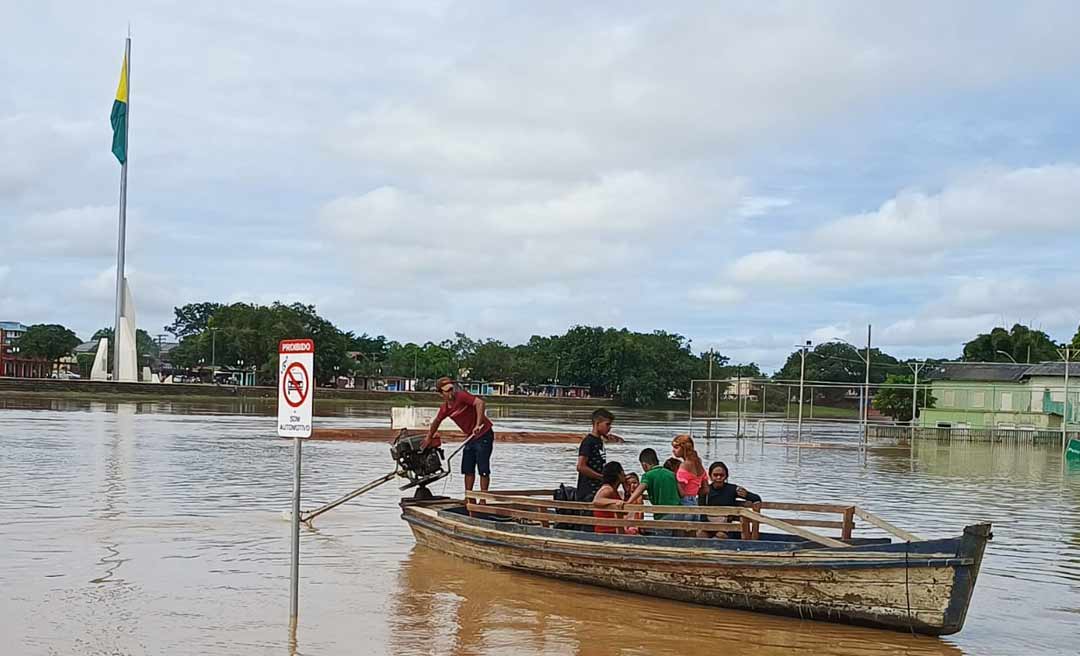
[1076, 339]
[838, 362]
[85, 362]
[249, 334]
[370, 354]
[192, 318]
[895, 402]
[47, 341]
[1019, 344]
[491, 360]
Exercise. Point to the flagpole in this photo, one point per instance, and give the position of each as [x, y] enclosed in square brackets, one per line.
[121, 239]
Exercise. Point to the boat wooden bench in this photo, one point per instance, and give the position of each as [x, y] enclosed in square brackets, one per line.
[525, 505]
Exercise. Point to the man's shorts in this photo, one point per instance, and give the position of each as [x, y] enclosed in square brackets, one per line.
[476, 456]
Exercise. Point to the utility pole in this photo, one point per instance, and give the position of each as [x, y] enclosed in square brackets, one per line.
[1065, 353]
[865, 411]
[708, 397]
[213, 349]
[802, 378]
[915, 367]
[738, 400]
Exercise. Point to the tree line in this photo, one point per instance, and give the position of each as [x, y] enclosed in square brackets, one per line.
[637, 368]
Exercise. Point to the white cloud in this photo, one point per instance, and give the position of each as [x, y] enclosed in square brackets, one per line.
[934, 331]
[754, 206]
[717, 295]
[784, 268]
[562, 98]
[602, 228]
[830, 333]
[1017, 298]
[1024, 205]
[154, 294]
[73, 232]
[915, 234]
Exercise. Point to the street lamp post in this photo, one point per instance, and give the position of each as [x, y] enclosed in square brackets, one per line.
[802, 378]
[213, 349]
[915, 367]
[864, 400]
[1065, 353]
[738, 401]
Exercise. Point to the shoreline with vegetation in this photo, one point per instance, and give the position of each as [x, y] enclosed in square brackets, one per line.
[109, 391]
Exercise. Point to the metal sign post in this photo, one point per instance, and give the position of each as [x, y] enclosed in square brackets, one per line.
[296, 385]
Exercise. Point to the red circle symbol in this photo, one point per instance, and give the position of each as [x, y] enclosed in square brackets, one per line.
[294, 384]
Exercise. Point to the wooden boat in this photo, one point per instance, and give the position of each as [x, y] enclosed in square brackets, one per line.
[913, 584]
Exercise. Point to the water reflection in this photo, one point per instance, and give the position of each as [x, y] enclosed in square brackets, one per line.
[448, 606]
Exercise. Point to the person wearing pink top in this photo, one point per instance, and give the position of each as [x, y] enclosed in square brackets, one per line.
[691, 476]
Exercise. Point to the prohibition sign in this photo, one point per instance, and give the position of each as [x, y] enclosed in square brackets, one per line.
[294, 385]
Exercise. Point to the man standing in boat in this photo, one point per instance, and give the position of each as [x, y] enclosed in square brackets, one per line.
[468, 412]
[592, 457]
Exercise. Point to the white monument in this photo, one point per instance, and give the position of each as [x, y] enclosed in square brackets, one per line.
[125, 341]
[100, 369]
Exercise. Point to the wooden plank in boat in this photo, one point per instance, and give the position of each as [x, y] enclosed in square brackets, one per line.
[794, 530]
[884, 525]
[579, 520]
[578, 505]
[804, 507]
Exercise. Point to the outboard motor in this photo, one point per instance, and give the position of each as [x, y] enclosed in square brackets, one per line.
[421, 466]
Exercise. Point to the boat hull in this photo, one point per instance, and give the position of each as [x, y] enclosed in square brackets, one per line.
[923, 587]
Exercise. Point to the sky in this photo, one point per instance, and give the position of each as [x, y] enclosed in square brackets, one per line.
[749, 175]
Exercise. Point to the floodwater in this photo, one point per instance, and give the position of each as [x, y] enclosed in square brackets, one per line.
[157, 528]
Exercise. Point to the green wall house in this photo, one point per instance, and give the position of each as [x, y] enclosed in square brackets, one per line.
[986, 395]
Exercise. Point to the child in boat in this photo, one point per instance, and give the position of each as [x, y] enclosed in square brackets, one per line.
[672, 465]
[659, 482]
[591, 455]
[723, 493]
[608, 496]
[691, 475]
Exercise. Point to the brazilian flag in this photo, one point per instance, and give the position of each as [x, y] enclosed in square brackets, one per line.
[119, 116]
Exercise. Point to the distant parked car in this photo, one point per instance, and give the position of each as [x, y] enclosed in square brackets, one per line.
[65, 375]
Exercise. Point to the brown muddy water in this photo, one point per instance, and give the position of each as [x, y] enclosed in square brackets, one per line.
[156, 528]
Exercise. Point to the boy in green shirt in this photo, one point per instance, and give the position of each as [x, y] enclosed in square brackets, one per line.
[660, 483]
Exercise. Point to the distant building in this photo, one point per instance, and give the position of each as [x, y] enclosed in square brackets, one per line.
[11, 363]
[383, 384]
[558, 391]
[484, 388]
[999, 395]
[742, 388]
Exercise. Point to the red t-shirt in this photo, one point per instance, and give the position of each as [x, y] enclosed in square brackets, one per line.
[463, 412]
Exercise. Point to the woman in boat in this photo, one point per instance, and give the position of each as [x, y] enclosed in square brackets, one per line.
[722, 493]
[691, 475]
[608, 496]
